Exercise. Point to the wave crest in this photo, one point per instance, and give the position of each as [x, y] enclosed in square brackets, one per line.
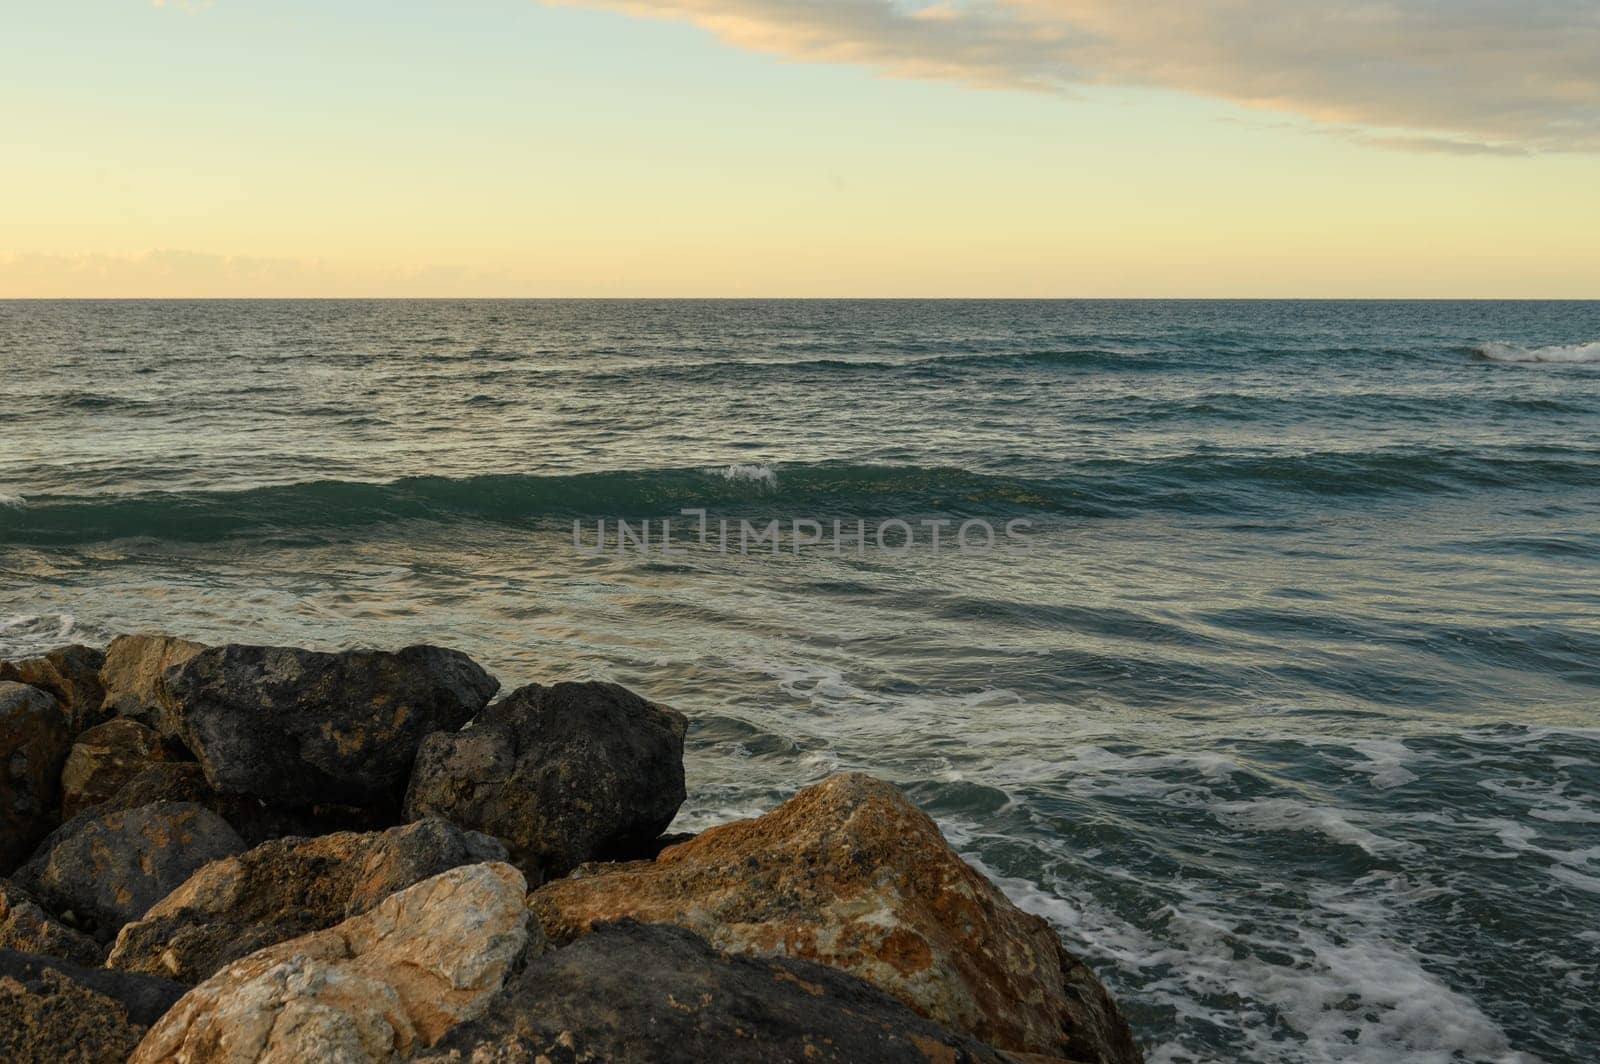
[1570, 354]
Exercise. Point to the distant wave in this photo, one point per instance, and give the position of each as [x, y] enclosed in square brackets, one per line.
[754, 474]
[1076, 359]
[1558, 353]
[1100, 488]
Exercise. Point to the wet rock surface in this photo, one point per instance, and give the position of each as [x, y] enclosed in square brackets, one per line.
[100, 871]
[564, 774]
[299, 727]
[656, 994]
[286, 888]
[374, 988]
[851, 874]
[34, 739]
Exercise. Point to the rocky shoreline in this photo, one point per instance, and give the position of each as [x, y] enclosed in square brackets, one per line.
[263, 854]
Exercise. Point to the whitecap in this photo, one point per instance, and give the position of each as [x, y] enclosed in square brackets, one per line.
[1287, 814]
[1352, 992]
[1557, 353]
[753, 474]
[1385, 764]
[12, 500]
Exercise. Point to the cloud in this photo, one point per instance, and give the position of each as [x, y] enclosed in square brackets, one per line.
[1483, 76]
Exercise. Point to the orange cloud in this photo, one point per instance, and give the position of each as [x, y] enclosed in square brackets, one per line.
[1507, 76]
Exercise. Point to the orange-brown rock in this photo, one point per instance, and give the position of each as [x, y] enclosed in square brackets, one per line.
[26, 927]
[287, 888]
[54, 1012]
[133, 678]
[71, 675]
[103, 759]
[849, 873]
[372, 989]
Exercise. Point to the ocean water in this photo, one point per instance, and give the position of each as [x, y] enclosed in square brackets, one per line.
[1284, 706]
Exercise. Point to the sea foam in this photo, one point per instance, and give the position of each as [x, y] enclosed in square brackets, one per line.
[755, 474]
[1558, 353]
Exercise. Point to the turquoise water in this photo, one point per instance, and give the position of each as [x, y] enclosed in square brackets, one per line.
[1286, 708]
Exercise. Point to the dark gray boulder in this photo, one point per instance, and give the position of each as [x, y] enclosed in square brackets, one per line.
[299, 727]
[563, 775]
[71, 675]
[654, 994]
[284, 889]
[34, 740]
[98, 871]
[52, 1012]
[254, 820]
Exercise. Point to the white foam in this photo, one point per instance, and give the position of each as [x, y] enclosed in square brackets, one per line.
[33, 633]
[1386, 761]
[1287, 814]
[1558, 353]
[12, 500]
[754, 474]
[1351, 993]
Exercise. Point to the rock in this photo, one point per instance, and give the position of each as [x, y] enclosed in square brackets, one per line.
[145, 999]
[105, 758]
[166, 781]
[297, 727]
[26, 927]
[134, 678]
[254, 820]
[106, 869]
[52, 1012]
[562, 774]
[72, 676]
[654, 994]
[851, 874]
[372, 989]
[284, 889]
[33, 745]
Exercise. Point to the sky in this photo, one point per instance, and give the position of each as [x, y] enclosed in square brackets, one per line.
[859, 148]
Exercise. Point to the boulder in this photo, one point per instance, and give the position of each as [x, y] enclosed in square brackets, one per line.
[654, 994]
[287, 888]
[133, 676]
[849, 873]
[33, 746]
[254, 820]
[103, 759]
[26, 927]
[562, 774]
[374, 988]
[298, 727]
[105, 869]
[72, 676]
[52, 1012]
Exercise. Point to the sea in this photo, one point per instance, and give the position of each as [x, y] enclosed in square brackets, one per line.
[1259, 651]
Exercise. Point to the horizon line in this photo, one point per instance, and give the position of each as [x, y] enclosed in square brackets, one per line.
[799, 299]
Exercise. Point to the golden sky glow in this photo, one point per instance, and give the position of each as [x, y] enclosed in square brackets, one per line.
[712, 147]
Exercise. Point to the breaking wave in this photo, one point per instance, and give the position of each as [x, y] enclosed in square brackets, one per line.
[1570, 354]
